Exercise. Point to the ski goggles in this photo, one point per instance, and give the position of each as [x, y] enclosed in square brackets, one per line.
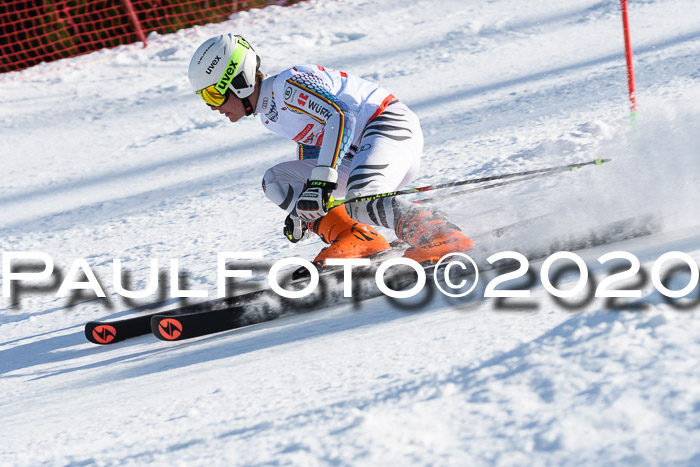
[212, 97]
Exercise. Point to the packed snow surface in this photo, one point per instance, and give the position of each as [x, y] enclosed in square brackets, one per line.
[111, 155]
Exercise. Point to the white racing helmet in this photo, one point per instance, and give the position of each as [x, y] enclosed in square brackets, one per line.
[222, 63]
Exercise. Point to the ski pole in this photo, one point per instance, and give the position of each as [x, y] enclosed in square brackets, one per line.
[528, 173]
[480, 188]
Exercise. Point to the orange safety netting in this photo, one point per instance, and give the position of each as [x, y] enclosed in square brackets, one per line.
[35, 31]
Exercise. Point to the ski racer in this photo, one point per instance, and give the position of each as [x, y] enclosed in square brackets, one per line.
[355, 139]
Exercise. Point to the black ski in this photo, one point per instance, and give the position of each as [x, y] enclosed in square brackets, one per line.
[111, 332]
[269, 306]
[264, 305]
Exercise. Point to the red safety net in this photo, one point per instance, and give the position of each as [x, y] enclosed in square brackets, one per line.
[35, 31]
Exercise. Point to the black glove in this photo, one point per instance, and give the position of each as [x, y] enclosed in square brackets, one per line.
[312, 203]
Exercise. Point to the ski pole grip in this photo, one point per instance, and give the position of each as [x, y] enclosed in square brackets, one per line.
[332, 203]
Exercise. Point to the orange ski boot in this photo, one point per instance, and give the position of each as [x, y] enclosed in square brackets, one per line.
[346, 238]
[431, 237]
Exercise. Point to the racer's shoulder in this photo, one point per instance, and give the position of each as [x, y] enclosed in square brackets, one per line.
[297, 73]
[296, 70]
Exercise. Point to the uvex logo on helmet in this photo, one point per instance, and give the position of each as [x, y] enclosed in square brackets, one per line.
[225, 80]
[213, 63]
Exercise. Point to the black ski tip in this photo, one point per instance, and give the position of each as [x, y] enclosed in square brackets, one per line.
[166, 328]
[101, 333]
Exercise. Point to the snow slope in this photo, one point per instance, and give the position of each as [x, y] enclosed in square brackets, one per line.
[111, 155]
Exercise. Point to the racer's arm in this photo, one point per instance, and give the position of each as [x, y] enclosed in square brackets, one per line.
[307, 94]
